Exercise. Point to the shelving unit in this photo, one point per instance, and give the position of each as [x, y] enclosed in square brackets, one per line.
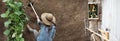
[94, 15]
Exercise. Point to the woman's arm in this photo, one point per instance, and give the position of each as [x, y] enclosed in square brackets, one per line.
[29, 28]
[33, 30]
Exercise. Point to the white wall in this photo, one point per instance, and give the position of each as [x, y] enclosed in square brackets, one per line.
[111, 18]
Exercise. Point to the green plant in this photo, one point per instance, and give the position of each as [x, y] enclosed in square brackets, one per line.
[16, 20]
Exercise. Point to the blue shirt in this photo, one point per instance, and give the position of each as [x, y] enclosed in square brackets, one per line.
[46, 33]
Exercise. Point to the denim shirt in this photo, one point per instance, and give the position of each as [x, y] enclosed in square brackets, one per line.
[46, 34]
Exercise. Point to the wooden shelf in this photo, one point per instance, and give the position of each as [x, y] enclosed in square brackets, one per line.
[92, 2]
[93, 19]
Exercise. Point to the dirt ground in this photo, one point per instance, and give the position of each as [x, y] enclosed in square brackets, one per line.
[2, 28]
[70, 15]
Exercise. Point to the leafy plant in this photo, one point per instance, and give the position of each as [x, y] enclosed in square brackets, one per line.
[93, 11]
[16, 19]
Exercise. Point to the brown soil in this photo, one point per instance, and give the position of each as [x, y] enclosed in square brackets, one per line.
[2, 28]
[70, 15]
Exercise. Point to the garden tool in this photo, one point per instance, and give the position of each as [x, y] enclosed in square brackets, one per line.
[38, 19]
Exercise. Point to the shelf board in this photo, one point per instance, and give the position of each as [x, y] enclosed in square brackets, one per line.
[93, 18]
[93, 2]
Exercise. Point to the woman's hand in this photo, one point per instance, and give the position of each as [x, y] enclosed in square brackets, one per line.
[33, 30]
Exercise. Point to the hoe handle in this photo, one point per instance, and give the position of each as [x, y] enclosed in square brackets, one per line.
[38, 19]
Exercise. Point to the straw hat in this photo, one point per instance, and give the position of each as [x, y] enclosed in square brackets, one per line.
[48, 19]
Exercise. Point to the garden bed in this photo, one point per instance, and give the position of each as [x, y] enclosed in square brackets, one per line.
[70, 16]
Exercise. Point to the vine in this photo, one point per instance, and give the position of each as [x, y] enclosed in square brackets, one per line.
[16, 20]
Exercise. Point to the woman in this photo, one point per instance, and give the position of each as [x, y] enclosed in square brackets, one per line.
[47, 28]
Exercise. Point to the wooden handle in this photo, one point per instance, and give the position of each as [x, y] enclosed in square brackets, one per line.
[38, 19]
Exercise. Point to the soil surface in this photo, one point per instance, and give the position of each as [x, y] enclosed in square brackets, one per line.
[70, 15]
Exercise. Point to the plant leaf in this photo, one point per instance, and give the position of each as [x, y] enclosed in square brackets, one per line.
[19, 4]
[26, 18]
[6, 24]
[4, 15]
[20, 35]
[11, 5]
[22, 39]
[6, 32]
[4, 0]
[14, 34]
[18, 12]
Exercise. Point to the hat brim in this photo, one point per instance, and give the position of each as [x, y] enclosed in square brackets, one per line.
[45, 21]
